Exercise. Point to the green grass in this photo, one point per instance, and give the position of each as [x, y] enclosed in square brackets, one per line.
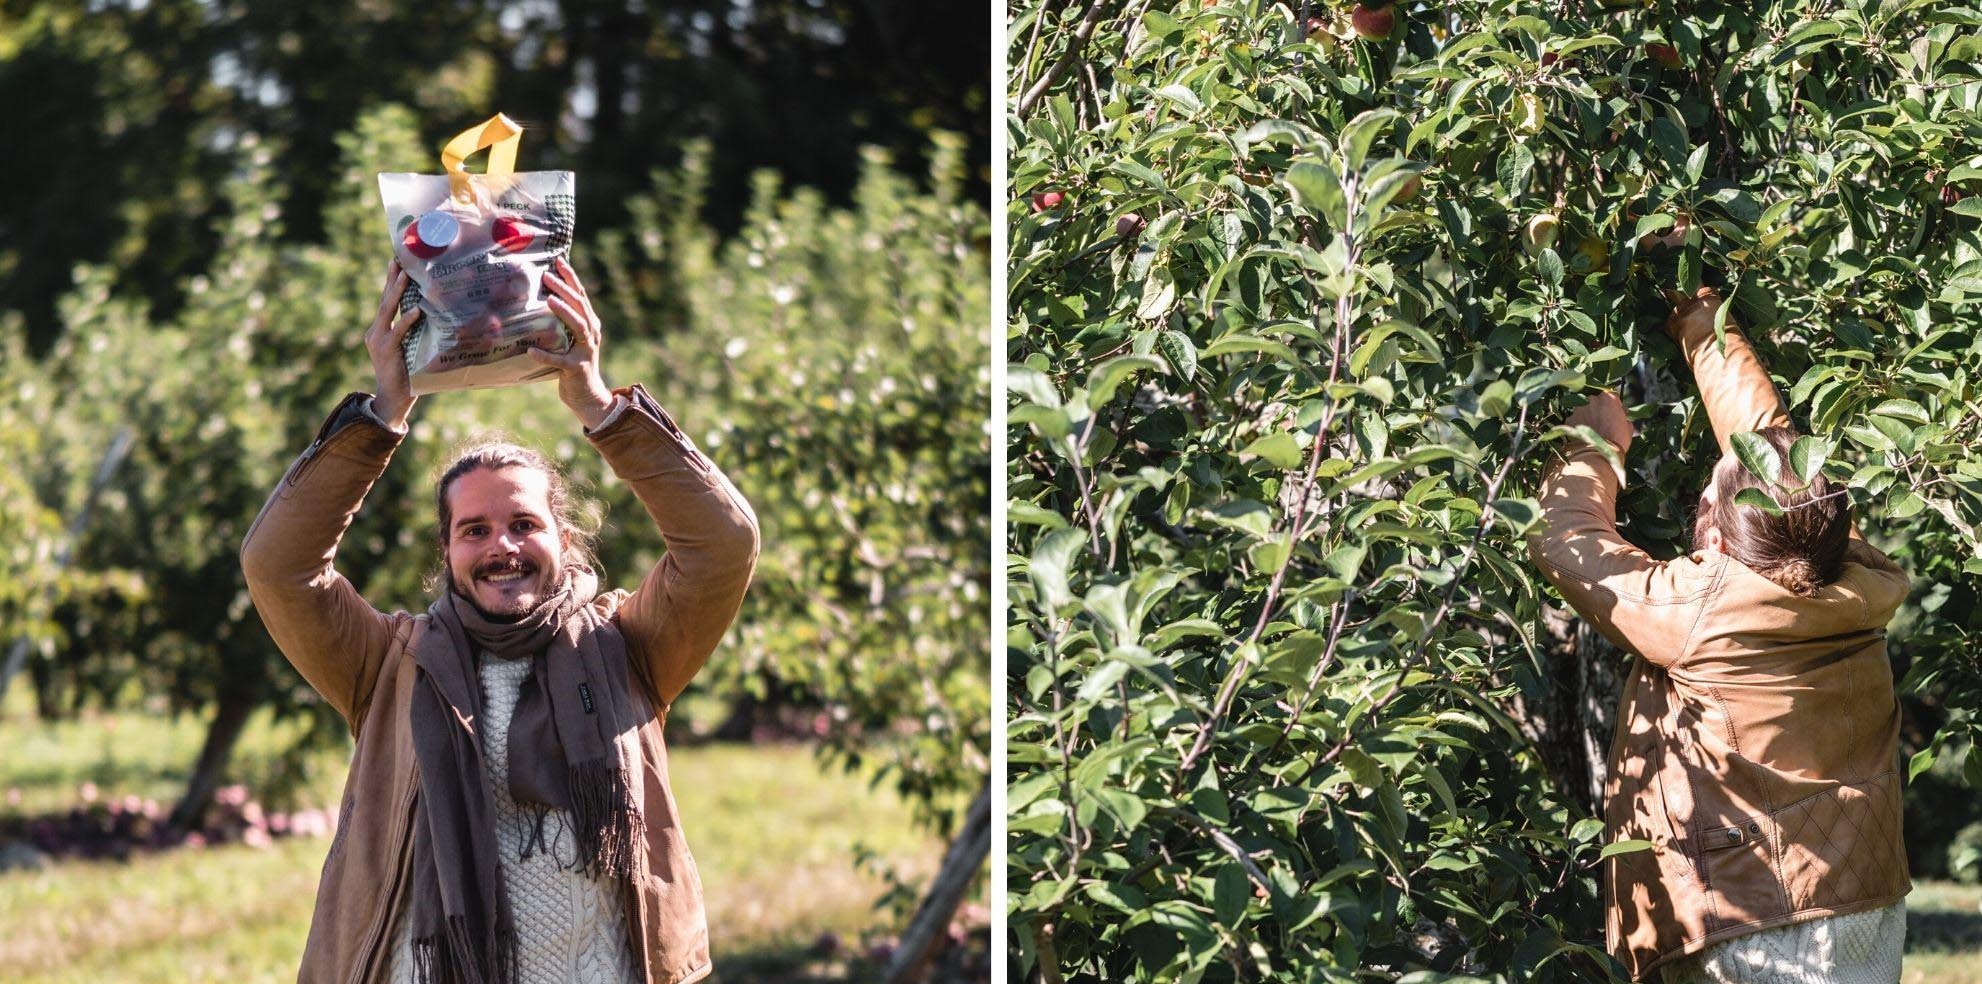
[776, 839]
[1943, 934]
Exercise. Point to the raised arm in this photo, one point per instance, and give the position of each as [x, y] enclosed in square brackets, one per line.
[1634, 600]
[333, 637]
[675, 618]
[1734, 387]
[325, 629]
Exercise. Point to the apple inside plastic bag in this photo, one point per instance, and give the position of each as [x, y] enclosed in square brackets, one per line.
[477, 269]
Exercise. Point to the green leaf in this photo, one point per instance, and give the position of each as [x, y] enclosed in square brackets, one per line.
[1126, 898]
[1759, 499]
[1317, 188]
[1245, 515]
[1048, 566]
[1126, 806]
[1615, 848]
[1032, 384]
[1550, 265]
[1758, 456]
[1178, 349]
[1278, 449]
[1183, 97]
[1108, 376]
[1234, 344]
[1922, 761]
[1806, 457]
[1907, 410]
[1231, 893]
[1521, 514]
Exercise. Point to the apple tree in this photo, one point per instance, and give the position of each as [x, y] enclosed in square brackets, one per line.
[1299, 296]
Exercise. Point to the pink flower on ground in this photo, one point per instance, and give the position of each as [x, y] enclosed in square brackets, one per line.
[255, 837]
[87, 791]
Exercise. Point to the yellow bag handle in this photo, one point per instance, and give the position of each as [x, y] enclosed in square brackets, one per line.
[499, 134]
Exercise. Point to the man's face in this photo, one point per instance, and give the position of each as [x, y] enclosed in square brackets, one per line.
[504, 551]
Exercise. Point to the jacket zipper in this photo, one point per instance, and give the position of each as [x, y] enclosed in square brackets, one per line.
[368, 967]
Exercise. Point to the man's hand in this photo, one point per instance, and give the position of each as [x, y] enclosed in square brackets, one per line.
[383, 340]
[579, 384]
[1692, 317]
[1604, 413]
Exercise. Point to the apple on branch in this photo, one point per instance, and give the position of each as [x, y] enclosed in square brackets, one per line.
[1376, 23]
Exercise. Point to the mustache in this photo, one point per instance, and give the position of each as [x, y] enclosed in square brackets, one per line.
[512, 566]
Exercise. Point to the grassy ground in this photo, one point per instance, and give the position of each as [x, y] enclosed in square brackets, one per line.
[775, 837]
[1943, 934]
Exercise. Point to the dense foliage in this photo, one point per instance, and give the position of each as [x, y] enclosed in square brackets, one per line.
[1294, 315]
[831, 360]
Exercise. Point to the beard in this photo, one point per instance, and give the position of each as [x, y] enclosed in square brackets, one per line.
[511, 609]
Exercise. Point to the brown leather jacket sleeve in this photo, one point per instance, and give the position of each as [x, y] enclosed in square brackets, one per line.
[675, 618]
[1640, 604]
[333, 637]
[1736, 390]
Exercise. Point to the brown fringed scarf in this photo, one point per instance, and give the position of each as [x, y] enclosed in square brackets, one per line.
[561, 757]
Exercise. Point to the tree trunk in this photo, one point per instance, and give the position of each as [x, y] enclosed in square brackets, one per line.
[230, 718]
[1571, 725]
[961, 864]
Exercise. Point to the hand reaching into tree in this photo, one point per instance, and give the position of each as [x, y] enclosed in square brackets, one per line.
[1604, 413]
[1693, 316]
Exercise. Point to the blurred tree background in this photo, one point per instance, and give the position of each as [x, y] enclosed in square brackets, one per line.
[780, 219]
[137, 109]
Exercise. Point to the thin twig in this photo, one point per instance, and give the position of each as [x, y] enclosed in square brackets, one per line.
[1081, 33]
[1445, 603]
[1237, 674]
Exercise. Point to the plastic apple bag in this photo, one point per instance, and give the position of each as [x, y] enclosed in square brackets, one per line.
[477, 247]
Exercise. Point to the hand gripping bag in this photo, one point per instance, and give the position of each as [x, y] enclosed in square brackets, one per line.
[477, 247]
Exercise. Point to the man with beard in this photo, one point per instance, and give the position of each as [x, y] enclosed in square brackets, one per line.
[1757, 737]
[507, 816]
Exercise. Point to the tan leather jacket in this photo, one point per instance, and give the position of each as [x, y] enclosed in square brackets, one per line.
[361, 661]
[1757, 738]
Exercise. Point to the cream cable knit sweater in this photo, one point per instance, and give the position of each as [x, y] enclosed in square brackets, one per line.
[570, 929]
[1859, 948]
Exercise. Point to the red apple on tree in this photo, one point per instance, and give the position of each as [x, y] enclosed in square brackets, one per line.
[1047, 200]
[1409, 190]
[1665, 54]
[1130, 226]
[1374, 23]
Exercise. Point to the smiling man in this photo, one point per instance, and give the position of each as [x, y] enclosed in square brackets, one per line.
[507, 816]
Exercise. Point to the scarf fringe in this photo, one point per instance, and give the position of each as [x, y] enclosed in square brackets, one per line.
[607, 823]
[452, 958]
